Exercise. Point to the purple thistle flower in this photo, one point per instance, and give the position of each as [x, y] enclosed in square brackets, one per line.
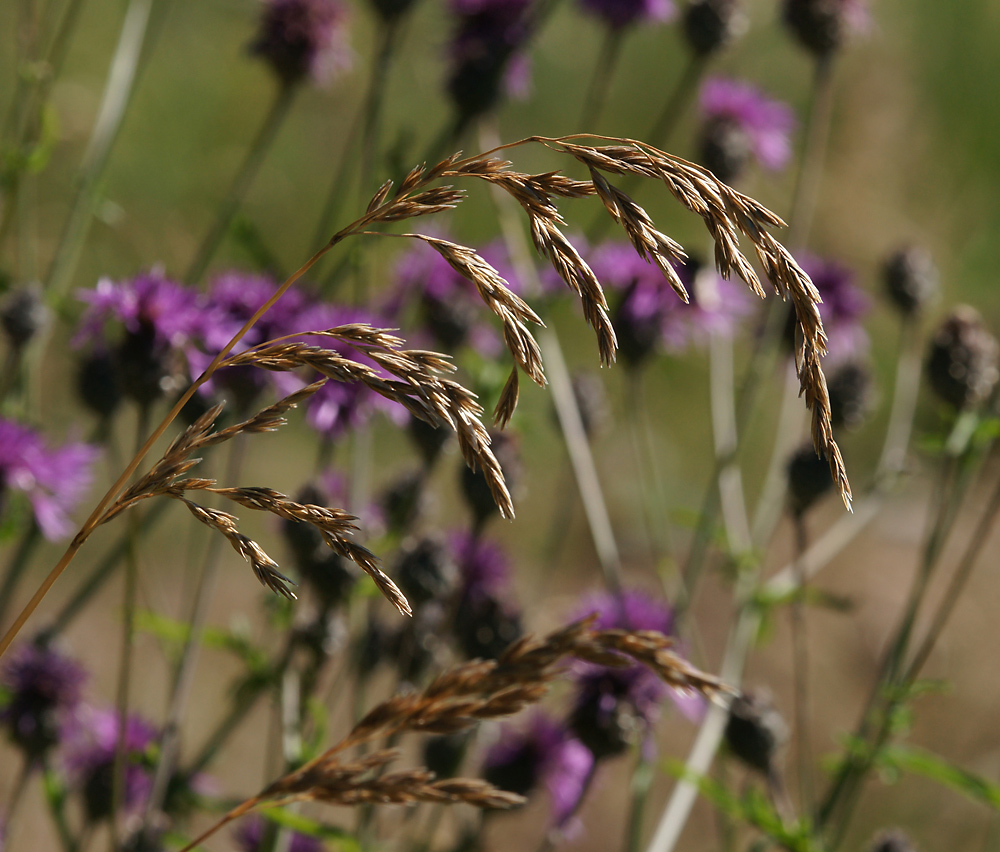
[843, 307]
[303, 37]
[90, 758]
[739, 122]
[53, 479]
[615, 707]
[149, 301]
[42, 688]
[620, 13]
[650, 314]
[252, 832]
[545, 753]
[160, 317]
[232, 300]
[482, 565]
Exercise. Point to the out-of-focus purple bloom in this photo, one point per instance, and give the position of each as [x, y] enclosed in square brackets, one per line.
[303, 37]
[739, 122]
[252, 832]
[42, 688]
[90, 758]
[149, 301]
[53, 479]
[843, 308]
[545, 753]
[650, 314]
[482, 565]
[620, 13]
[615, 707]
[160, 318]
[487, 39]
[232, 300]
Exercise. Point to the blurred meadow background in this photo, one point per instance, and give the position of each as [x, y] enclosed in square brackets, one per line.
[912, 159]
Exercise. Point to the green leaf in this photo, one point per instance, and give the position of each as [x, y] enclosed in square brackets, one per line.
[752, 808]
[343, 839]
[918, 761]
[234, 641]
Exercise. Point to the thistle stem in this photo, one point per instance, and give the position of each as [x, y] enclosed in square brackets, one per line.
[240, 186]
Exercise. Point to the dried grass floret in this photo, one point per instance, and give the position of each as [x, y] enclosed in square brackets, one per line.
[456, 699]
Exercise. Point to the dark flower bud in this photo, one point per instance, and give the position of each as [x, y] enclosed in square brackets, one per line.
[485, 626]
[428, 439]
[22, 315]
[372, 648]
[725, 148]
[414, 647]
[851, 395]
[808, 479]
[891, 841]
[444, 755]
[755, 731]
[403, 502]
[822, 26]
[603, 719]
[710, 25]
[962, 366]
[476, 489]
[911, 279]
[98, 385]
[426, 571]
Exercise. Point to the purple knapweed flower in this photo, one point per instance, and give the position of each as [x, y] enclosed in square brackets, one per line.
[620, 13]
[616, 706]
[650, 315]
[233, 298]
[161, 319]
[843, 308]
[486, 61]
[251, 834]
[40, 689]
[53, 479]
[543, 754]
[300, 38]
[740, 122]
[90, 757]
[482, 565]
[170, 311]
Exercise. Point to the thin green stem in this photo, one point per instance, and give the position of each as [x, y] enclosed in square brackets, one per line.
[238, 189]
[17, 565]
[800, 672]
[642, 781]
[957, 585]
[125, 664]
[600, 82]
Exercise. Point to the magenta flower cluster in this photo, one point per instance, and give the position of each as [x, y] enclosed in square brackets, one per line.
[53, 479]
